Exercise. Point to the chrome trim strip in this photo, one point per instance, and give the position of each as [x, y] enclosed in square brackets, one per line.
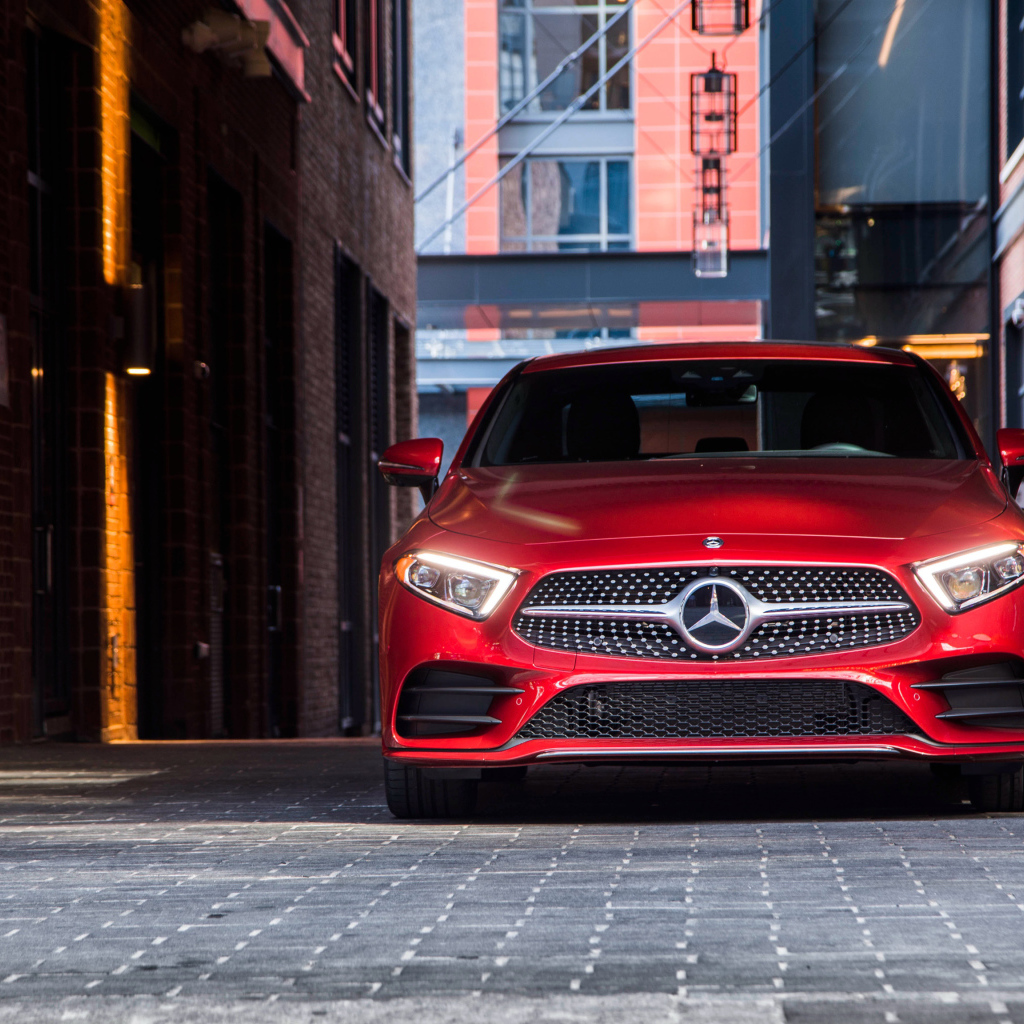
[782, 751]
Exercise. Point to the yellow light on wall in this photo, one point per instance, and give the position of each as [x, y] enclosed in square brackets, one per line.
[963, 351]
[114, 135]
[138, 371]
[934, 346]
[120, 702]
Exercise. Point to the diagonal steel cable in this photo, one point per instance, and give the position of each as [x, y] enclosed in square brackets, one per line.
[565, 63]
[573, 107]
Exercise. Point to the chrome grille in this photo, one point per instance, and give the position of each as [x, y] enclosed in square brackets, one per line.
[636, 612]
[806, 636]
[771, 639]
[718, 709]
[769, 583]
[604, 636]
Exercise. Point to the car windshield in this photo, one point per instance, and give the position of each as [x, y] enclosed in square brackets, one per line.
[664, 409]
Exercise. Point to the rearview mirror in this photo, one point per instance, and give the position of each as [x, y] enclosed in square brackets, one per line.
[414, 463]
[1010, 442]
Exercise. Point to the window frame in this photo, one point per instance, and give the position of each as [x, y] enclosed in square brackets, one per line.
[1014, 99]
[400, 101]
[603, 11]
[606, 240]
[344, 39]
[373, 38]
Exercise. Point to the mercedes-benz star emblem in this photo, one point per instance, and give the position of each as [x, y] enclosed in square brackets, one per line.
[714, 615]
[713, 542]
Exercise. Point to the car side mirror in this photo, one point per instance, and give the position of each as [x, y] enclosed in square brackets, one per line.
[415, 463]
[1010, 442]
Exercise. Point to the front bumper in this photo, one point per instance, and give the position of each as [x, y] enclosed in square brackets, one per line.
[416, 636]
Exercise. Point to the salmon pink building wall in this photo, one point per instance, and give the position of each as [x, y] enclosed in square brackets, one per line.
[664, 165]
[481, 116]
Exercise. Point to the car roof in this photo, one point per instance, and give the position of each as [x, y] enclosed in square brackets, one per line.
[808, 350]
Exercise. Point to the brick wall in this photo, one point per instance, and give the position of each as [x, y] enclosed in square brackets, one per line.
[226, 450]
[354, 196]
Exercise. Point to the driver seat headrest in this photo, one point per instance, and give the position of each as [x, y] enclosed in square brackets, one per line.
[602, 426]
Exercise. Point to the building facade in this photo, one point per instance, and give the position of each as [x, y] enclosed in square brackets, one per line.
[1007, 177]
[207, 296]
[846, 216]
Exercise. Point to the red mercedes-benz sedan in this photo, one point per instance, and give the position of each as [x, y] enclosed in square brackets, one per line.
[706, 552]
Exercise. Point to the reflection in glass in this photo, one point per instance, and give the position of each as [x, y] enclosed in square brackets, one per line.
[537, 35]
[902, 246]
[566, 205]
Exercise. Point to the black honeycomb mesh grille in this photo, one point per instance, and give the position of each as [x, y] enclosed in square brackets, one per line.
[684, 709]
[768, 583]
[770, 639]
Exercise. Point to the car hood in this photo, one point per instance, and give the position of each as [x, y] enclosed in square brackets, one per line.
[890, 499]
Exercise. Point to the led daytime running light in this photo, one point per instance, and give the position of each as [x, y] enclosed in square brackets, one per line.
[933, 574]
[450, 571]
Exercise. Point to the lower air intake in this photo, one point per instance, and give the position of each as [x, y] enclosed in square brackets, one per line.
[682, 709]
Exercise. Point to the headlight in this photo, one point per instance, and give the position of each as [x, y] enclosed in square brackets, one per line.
[469, 588]
[973, 577]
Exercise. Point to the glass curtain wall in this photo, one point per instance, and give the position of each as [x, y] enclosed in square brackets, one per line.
[902, 208]
[536, 35]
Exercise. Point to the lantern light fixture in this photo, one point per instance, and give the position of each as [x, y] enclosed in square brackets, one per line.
[713, 111]
[720, 17]
[710, 219]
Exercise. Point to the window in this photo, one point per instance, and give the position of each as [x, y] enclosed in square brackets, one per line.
[375, 60]
[536, 35]
[566, 206]
[400, 82]
[1014, 76]
[345, 38]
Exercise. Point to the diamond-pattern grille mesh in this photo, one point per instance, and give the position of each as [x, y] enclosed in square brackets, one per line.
[770, 583]
[770, 639]
[685, 709]
[591, 634]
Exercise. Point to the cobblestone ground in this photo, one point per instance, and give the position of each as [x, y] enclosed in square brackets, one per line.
[268, 882]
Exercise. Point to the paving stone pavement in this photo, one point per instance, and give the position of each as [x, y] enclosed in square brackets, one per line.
[268, 882]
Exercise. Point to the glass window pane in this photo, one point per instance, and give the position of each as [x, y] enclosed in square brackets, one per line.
[545, 197]
[554, 37]
[513, 208]
[512, 59]
[618, 197]
[580, 212]
[617, 89]
[932, 145]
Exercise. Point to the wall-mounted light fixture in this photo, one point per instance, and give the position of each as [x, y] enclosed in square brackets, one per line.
[720, 17]
[138, 332]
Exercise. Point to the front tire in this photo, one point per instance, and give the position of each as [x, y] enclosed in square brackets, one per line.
[998, 792]
[411, 795]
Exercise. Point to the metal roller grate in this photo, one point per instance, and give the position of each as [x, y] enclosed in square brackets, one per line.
[699, 709]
